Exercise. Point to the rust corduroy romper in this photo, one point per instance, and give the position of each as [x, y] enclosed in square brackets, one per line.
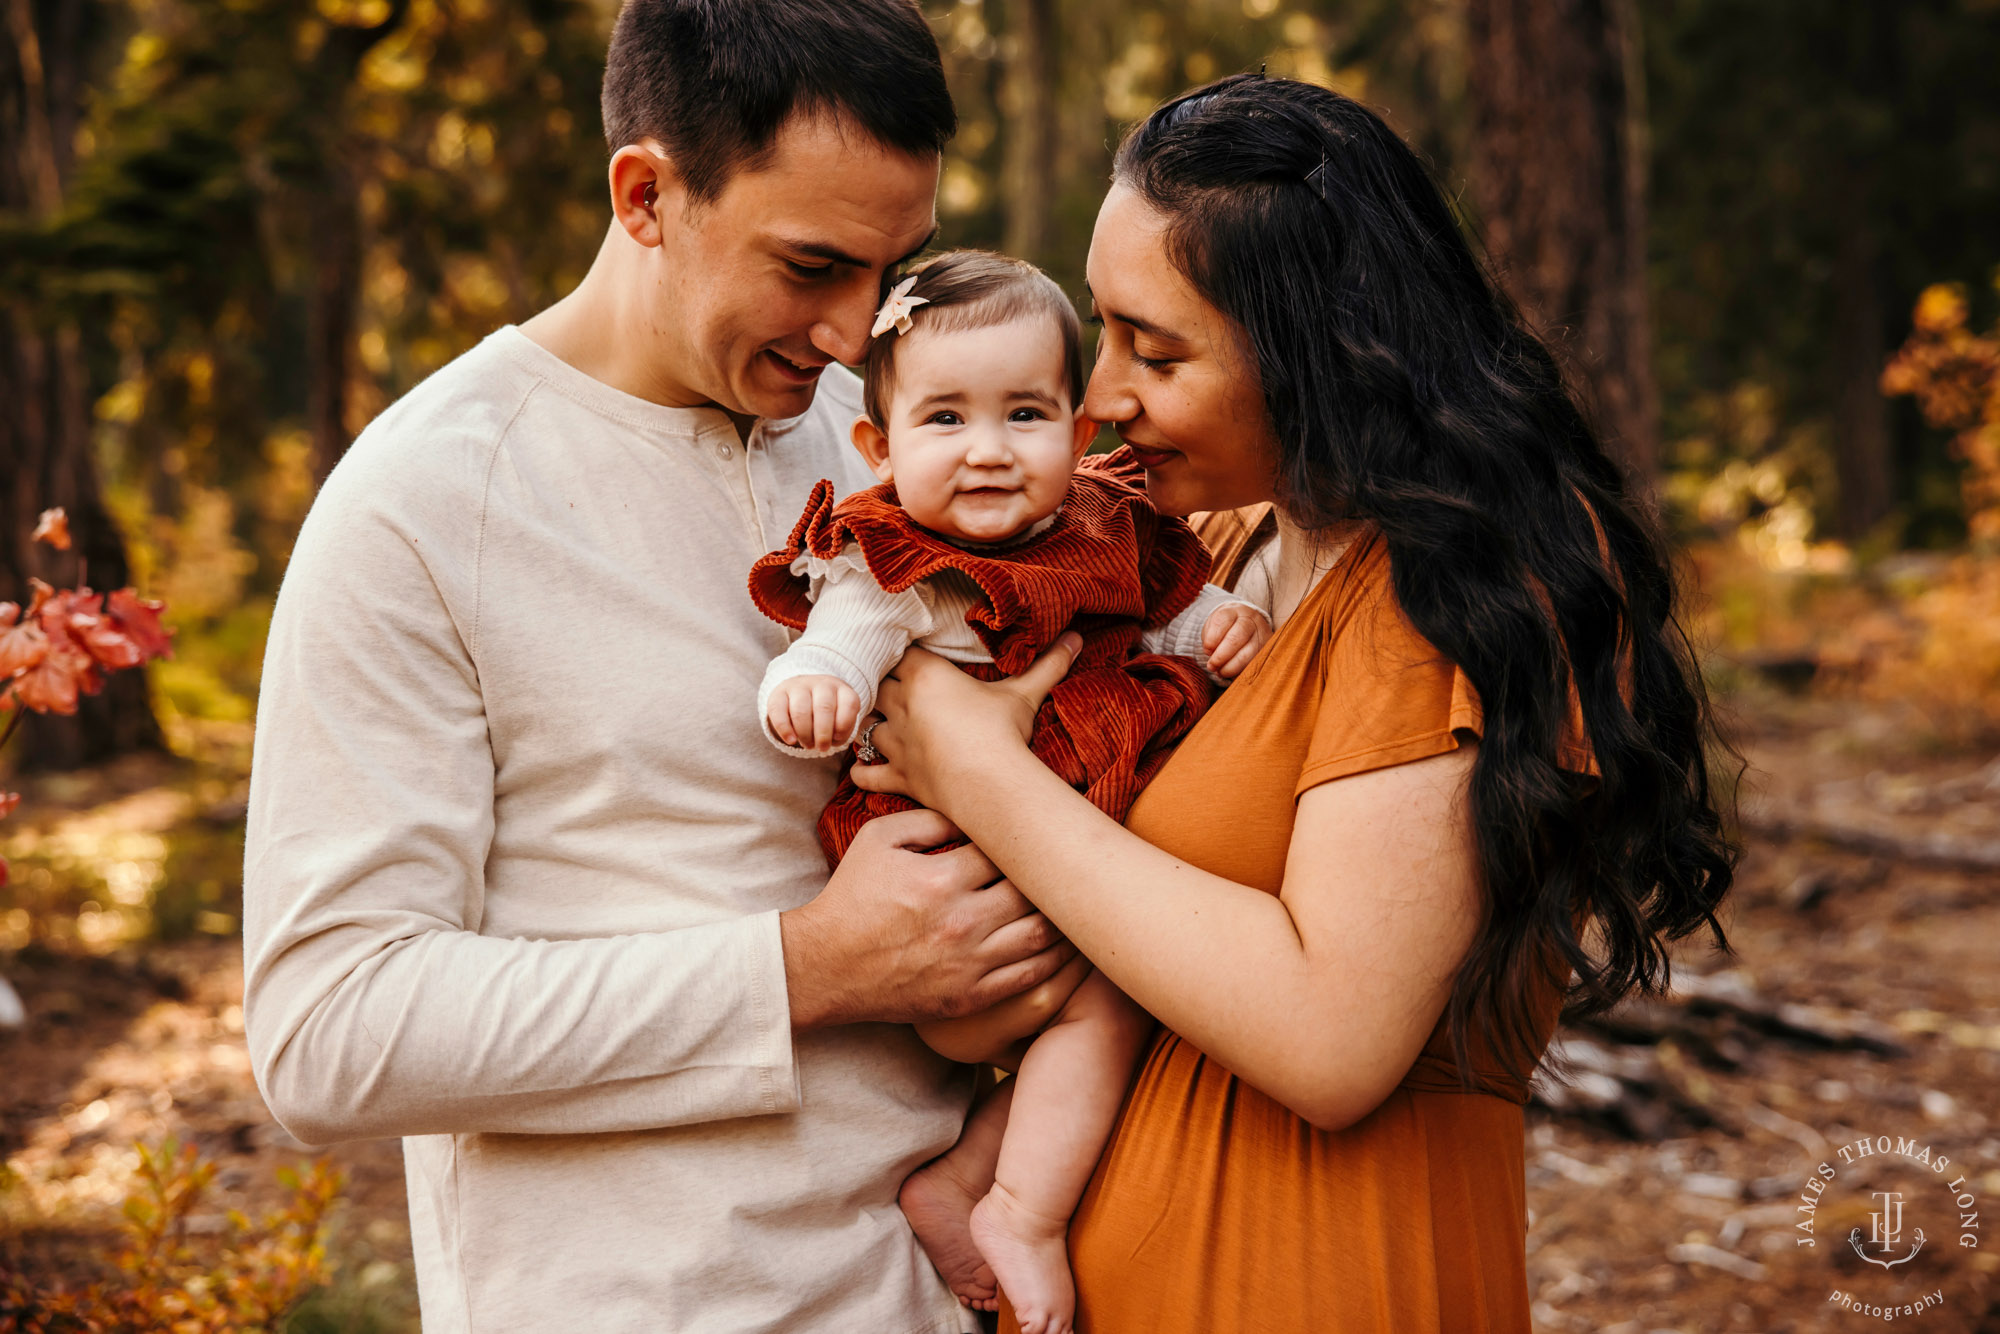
[1110, 566]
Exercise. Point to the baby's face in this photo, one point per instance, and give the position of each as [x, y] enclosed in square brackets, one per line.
[982, 437]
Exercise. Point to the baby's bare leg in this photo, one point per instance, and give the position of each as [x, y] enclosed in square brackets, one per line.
[996, 1036]
[1068, 1092]
[939, 1196]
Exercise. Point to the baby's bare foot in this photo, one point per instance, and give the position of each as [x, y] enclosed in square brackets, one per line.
[1030, 1256]
[939, 1207]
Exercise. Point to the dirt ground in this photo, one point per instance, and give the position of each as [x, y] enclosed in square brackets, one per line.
[1686, 1220]
[1699, 1231]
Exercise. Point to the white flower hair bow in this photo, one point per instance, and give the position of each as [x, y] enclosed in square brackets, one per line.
[895, 312]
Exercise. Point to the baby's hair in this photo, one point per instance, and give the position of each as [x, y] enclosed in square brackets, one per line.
[973, 289]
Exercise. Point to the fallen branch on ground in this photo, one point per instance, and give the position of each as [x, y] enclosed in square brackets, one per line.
[1949, 851]
[1638, 1070]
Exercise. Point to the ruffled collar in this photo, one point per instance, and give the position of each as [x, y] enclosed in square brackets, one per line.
[1028, 534]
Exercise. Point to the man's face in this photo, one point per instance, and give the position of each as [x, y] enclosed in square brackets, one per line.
[781, 273]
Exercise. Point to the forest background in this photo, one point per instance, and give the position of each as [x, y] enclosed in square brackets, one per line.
[1765, 236]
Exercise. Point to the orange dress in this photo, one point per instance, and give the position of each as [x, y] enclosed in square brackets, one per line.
[1214, 1208]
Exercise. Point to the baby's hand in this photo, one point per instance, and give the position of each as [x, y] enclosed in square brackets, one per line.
[813, 712]
[1232, 637]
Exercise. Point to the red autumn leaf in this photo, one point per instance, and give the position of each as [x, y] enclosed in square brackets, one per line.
[110, 647]
[67, 615]
[22, 645]
[79, 616]
[53, 684]
[53, 529]
[3, 873]
[139, 620]
[66, 668]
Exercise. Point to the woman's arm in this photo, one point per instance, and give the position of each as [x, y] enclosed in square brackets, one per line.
[1321, 996]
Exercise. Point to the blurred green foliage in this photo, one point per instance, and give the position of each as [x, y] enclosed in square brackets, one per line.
[1114, 62]
[1814, 164]
[232, 145]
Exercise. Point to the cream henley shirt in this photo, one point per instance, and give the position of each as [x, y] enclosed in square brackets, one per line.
[516, 853]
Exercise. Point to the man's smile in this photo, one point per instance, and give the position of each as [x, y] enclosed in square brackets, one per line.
[796, 371]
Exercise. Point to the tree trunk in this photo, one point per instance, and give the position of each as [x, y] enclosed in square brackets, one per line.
[1030, 102]
[337, 247]
[1861, 416]
[336, 279]
[1559, 176]
[1860, 343]
[45, 429]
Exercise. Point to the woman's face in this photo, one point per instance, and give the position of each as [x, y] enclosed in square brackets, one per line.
[1170, 375]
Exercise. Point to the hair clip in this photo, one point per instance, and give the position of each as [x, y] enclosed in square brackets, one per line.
[895, 312]
[1316, 178]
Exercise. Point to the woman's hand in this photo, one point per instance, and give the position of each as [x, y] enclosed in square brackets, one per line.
[941, 729]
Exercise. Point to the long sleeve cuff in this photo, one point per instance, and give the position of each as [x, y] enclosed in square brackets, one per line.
[806, 658]
[1181, 637]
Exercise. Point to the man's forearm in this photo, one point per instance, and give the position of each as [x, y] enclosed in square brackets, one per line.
[449, 1031]
[813, 994]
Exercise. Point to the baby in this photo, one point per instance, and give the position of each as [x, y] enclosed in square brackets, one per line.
[986, 541]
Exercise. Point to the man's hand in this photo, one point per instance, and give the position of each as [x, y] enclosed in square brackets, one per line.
[902, 936]
[813, 712]
[1232, 636]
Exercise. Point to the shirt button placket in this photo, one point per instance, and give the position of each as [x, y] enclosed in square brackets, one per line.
[738, 481]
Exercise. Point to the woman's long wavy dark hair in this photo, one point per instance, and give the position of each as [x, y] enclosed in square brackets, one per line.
[1404, 390]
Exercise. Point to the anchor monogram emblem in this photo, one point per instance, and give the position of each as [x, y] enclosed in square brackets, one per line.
[1885, 1230]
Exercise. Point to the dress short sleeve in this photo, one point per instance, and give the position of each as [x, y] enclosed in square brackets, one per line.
[1390, 697]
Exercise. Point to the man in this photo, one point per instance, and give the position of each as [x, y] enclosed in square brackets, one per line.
[525, 884]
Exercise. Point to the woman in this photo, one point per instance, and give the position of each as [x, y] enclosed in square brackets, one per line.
[1467, 769]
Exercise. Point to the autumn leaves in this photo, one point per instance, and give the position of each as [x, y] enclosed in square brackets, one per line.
[59, 649]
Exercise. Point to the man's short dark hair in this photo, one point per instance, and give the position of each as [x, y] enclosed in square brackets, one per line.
[714, 80]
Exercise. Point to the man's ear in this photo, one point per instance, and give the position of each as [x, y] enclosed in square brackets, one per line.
[872, 443]
[1085, 429]
[646, 192]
